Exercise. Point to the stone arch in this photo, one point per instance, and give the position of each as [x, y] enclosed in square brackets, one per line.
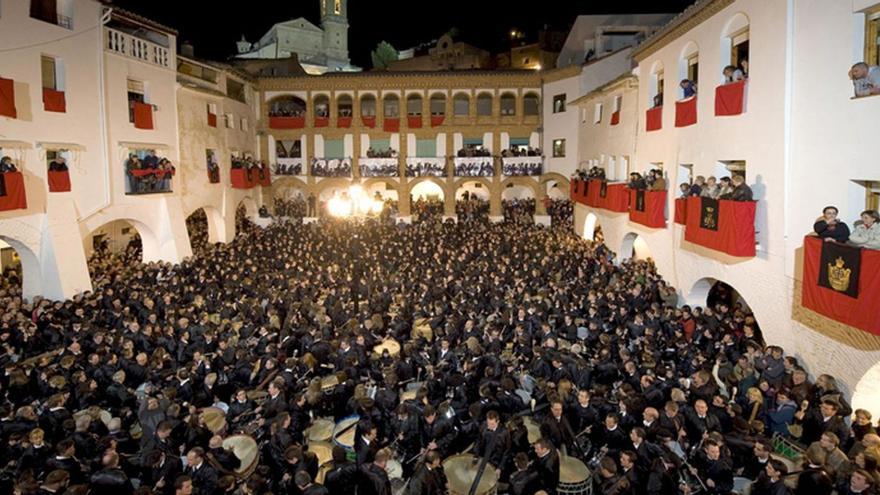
[285, 183]
[531, 103]
[336, 182]
[591, 223]
[562, 183]
[31, 271]
[460, 184]
[414, 103]
[461, 104]
[443, 187]
[215, 224]
[633, 246]
[250, 206]
[368, 185]
[866, 393]
[709, 289]
[533, 184]
[151, 247]
[286, 102]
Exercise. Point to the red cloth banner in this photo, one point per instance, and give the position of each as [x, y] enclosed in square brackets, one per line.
[736, 227]
[593, 190]
[143, 115]
[266, 180]
[322, 121]
[239, 178]
[59, 181]
[287, 122]
[343, 122]
[616, 197]
[730, 98]
[391, 124]
[681, 211]
[414, 121]
[615, 118]
[855, 312]
[15, 197]
[7, 98]
[654, 119]
[369, 121]
[54, 101]
[578, 191]
[654, 214]
[212, 120]
[686, 112]
[437, 120]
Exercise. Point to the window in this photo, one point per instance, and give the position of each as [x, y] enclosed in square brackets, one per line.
[52, 155]
[559, 103]
[426, 148]
[530, 104]
[618, 102]
[343, 106]
[559, 148]
[739, 50]
[58, 12]
[685, 173]
[872, 195]
[244, 124]
[438, 104]
[230, 121]
[693, 66]
[508, 104]
[461, 105]
[368, 106]
[235, 90]
[484, 104]
[391, 107]
[729, 168]
[52, 73]
[872, 36]
[322, 106]
[136, 93]
[583, 115]
[414, 105]
[597, 113]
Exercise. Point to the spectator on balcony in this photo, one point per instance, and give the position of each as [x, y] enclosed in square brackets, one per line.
[741, 190]
[636, 181]
[828, 227]
[688, 87]
[151, 161]
[711, 189]
[866, 79]
[658, 100]
[732, 74]
[596, 173]
[697, 186]
[6, 165]
[685, 189]
[655, 180]
[867, 232]
[726, 186]
[58, 164]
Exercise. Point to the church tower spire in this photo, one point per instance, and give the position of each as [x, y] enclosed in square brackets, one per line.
[334, 22]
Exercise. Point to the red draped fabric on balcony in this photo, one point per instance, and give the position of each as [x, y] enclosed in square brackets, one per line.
[734, 226]
[266, 178]
[650, 210]
[7, 98]
[369, 121]
[391, 125]
[859, 312]
[322, 121]
[437, 120]
[343, 122]
[730, 98]
[287, 122]
[592, 194]
[686, 112]
[616, 197]
[615, 118]
[239, 178]
[54, 101]
[59, 181]
[681, 211]
[578, 191]
[15, 197]
[212, 120]
[414, 121]
[654, 119]
[143, 115]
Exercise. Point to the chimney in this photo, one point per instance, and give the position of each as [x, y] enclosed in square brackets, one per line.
[187, 50]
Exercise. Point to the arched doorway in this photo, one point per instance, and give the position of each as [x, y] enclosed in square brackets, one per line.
[592, 229]
[427, 200]
[116, 246]
[427, 190]
[518, 203]
[197, 228]
[472, 199]
[634, 246]
[721, 297]
[866, 394]
[20, 268]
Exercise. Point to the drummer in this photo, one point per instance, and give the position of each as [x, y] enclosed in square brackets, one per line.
[494, 442]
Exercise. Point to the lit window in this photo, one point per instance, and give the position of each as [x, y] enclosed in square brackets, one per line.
[559, 148]
[559, 103]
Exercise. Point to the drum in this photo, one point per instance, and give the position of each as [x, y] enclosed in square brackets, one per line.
[328, 383]
[391, 345]
[574, 477]
[343, 433]
[320, 431]
[533, 428]
[96, 413]
[245, 448]
[258, 396]
[742, 486]
[324, 452]
[394, 469]
[461, 471]
[214, 419]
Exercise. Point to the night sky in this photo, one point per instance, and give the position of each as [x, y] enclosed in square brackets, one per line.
[214, 28]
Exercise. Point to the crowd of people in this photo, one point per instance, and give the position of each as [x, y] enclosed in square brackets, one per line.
[389, 169]
[475, 168]
[288, 168]
[520, 210]
[561, 212]
[471, 208]
[287, 111]
[520, 344]
[426, 169]
[296, 207]
[653, 180]
[594, 172]
[385, 153]
[734, 188]
[255, 169]
[521, 151]
[471, 151]
[865, 232]
[529, 168]
[331, 167]
[150, 174]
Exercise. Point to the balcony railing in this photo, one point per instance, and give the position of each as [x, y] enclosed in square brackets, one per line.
[136, 48]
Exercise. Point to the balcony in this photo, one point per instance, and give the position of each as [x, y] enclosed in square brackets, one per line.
[522, 165]
[379, 167]
[136, 48]
[426, 167]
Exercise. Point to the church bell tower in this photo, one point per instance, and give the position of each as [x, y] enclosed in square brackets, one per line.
[334, 22]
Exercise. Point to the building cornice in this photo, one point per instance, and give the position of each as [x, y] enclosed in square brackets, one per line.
[398, 80]
[677, 27]
[626, 81]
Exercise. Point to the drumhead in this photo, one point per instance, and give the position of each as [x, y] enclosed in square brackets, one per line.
[245, 448]
[572, 470]
[394, 469]
[342, 434]
[461, 471]
[320, 431]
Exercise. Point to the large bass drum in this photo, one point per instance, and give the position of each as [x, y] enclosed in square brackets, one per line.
[461, 471]
[574, 477]
[245, 448]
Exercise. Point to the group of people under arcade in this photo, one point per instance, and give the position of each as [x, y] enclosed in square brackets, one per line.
[520, 345]
[149, 174]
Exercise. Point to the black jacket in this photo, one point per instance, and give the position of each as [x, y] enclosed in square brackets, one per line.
[341, 479]
[110, 482]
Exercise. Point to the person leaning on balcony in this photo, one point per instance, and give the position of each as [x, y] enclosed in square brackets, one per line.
[866, 79]
[636, 181]
[829, 228]
[658, 183]
[732, 74]
[688, 87]
[711, 189]
[58, 164]
[6, 165]
[697, 186]
[867, 232]
[685, 189]
[741, 190]
[725, 187]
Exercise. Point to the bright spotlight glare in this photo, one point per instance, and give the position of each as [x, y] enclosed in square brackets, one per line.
[339, 207]
[377, 207]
